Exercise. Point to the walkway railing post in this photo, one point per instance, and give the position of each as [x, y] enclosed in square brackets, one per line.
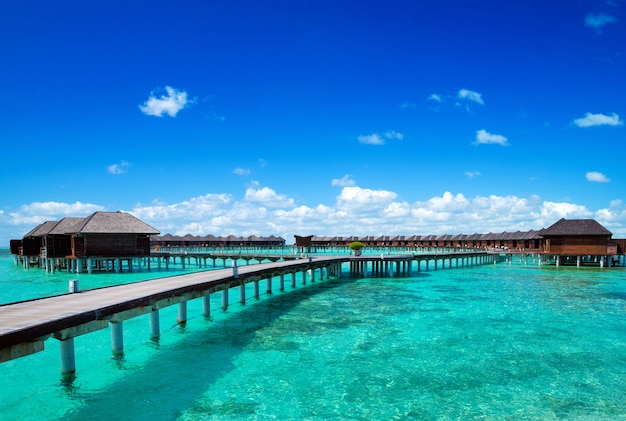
[235, 270]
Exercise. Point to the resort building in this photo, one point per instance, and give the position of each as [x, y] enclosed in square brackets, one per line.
[76, 242]
[580, 242]
[566, 242]
[113, 237]
[211, 241]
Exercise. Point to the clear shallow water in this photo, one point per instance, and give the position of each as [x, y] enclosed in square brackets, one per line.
[489, 342]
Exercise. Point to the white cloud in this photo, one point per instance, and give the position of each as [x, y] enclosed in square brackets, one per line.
[199, 207]
[170, 103]
[372, 139]
[597, 177]
[267, 197]
[378, 139]
[474, 96]
[591, 120]
[117, 169]
[393, 135]
[552, 211]
[345, 181]
[38, 212]
[360, 196]
[472, 174]
[435, 97]
[598, 20]
[483, 137]
[242, 171]
[363, 205]
[355, 211]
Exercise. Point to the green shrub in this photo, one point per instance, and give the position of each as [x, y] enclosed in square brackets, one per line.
[356, 245]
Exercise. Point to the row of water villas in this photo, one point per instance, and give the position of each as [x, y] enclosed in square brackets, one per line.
[528, 240]
[251, 242]
[107, 240]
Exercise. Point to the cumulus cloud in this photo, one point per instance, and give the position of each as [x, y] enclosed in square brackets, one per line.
[38, 212]
[598, 20]
[169, 103]
[472, 174]
[474, 96]
[355, 211]
[591, 120]
[483, 137]
[345, 181]
[359, 201]
[117, 169]
[597, 177]
[380, 139]
[267, 197]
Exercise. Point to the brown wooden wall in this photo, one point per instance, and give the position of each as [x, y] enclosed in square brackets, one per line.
[113, 245]
[32, 246]
[58, 245]
[578, 246]
[15, 246]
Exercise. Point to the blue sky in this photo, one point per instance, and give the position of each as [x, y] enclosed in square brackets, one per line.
[314, 117]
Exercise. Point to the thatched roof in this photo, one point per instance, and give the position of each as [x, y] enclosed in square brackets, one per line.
[564, 227]
[112, 223]
[65, 225]
[41, 230]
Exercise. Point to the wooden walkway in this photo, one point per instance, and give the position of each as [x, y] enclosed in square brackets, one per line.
[25, 326]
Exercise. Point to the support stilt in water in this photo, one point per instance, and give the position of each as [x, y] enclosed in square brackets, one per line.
[117, 337]
[68, 358]
[155, 325]
[182, 312]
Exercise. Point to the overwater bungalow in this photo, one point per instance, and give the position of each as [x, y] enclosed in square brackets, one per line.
[579, 242]
[71, 242]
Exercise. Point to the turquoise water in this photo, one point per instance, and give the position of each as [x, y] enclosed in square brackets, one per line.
[490, 342]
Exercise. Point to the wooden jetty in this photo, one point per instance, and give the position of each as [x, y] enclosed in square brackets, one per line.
[26, 325]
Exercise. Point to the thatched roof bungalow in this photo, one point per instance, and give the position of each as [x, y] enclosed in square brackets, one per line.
[577, 237]
[111, 234]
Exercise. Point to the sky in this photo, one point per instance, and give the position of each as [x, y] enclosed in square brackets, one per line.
[314, 117]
